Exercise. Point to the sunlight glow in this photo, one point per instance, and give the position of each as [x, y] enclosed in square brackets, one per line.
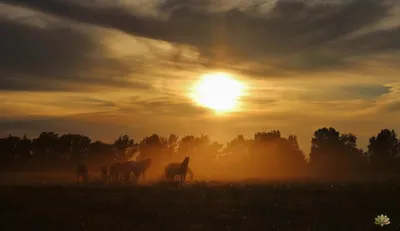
[217, 91]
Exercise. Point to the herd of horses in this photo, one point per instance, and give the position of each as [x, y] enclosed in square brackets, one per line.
[120, 172]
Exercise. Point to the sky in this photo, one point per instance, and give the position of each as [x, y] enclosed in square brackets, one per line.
[105, 68]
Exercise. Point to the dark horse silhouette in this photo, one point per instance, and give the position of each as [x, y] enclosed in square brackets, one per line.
[173, 169]
[137, 167]
[115, 170]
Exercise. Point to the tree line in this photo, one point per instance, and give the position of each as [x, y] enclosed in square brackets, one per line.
[266, 154]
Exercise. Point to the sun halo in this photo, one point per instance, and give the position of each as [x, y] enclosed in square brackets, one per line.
[218, 91]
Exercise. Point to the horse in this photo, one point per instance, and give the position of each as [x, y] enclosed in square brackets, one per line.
[104, 173]
[115, 170]
[181, 169]
[190, 173]
[82, 174]
[137, 167]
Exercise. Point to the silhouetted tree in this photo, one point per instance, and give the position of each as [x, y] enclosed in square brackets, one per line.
[24, 149]
[198, 148]
[273, 155]
[237, 146]
[384, 151]
[121, 145]
[205, 153]
[267, 153]
[46, 145]
[9, 148]
[332, 152]
[187, 146]
[234, 156]
[264, 137]
[294, 157]
[101, 151]
[154, 146]
[74, 146]
[171, 147]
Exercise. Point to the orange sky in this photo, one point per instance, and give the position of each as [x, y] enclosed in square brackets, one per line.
[126, 67]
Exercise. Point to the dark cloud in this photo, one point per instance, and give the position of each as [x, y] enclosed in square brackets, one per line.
[374, 42]
[366, 91]
[55, 58]
[344, 92]
[294, 36]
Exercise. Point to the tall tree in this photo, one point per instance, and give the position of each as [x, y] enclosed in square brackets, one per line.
[171, 147]
[121, 145]
[332, 152]
[384, 150]
[101, 152]
[46, 145]
[154, 146]
[74, 146]
[9, 148]
[187, 146]
[24, 148]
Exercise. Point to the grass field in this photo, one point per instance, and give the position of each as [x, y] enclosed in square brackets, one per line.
[199, 206]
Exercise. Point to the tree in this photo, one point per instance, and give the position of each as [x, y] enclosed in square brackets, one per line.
[276, 156]
[74, 146]
[187, 146]
[264, 137]
[332, 152]
[101, 152]
[171, 146]
[154, 146]
[237, 146]
[9, 148]
[121, 145]
[234, 155]
[294, 156]
[24, 148]
[384, 150]
[46, 145]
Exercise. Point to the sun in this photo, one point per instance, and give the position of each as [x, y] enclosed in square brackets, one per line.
[217, 91]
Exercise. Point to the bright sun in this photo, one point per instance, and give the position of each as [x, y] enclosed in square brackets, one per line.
[218, 91]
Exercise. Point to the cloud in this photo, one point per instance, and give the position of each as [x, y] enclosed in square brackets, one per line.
[165, 106]
[343, 92]
[393, 107]
[76, 47]
[57, 57]
[289, 37]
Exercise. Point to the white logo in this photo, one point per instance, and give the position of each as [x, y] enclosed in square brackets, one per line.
[382, 220]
